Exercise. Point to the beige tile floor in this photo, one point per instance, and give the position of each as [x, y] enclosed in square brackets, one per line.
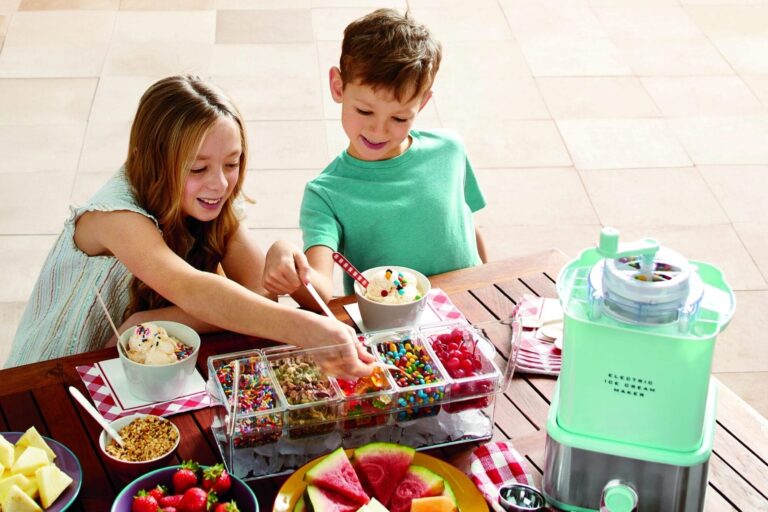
[649, 115]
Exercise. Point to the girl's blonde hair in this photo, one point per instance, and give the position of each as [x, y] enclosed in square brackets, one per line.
[173, 117]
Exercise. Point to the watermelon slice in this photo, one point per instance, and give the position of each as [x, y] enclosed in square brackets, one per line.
[334, 473]
[320, 500]
[448, 491]
[381, 466]
[419, 482]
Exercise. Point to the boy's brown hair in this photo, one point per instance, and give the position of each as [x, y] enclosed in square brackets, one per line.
[387, 49]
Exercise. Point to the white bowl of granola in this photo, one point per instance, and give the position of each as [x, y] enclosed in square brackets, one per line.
[150, 442]
[158, 358]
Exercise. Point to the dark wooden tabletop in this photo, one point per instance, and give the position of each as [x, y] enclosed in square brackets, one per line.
[37, 395]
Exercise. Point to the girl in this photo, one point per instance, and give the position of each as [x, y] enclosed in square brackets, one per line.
[162, 241]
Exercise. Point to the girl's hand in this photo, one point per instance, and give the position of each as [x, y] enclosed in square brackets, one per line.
[285, 268]
[344, 356]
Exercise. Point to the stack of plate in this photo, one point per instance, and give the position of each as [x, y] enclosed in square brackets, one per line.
[541, 340]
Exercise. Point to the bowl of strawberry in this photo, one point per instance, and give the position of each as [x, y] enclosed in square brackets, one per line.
[188, 487]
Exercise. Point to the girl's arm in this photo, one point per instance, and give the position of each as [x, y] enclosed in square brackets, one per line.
[243, 262]
[211, 298]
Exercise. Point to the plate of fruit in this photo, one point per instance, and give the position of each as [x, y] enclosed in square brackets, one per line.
[188, 487]
[37, 473]
[379, 477]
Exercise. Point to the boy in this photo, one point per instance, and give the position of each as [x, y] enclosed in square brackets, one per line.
[395, 196]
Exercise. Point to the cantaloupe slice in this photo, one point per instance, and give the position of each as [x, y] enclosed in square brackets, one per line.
[33, 438]
[433, 504]
[52, 482]
[17, 501]
[30, 459]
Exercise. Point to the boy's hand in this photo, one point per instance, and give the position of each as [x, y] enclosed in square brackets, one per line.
[285, 268]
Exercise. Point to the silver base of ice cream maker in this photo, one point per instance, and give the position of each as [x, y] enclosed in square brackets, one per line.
[574, 479]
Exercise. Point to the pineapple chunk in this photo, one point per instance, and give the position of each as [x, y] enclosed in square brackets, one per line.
[32, 490]
[6, 453]
[18, 450]
[28, 462]
[17, 501]
[33, 438]
[19, 481]
[52, 482]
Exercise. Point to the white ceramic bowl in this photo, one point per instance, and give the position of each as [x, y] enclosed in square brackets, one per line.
[130, 469]
[378, 315]
[163, 382]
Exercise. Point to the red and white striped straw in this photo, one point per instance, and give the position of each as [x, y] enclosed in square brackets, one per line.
[350, 269]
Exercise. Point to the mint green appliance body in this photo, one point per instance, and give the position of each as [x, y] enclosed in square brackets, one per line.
[653, 379]
[633, 400]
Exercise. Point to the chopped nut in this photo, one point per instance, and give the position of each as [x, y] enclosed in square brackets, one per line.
[145, 439]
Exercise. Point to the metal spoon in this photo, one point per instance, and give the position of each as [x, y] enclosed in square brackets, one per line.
[98, 417]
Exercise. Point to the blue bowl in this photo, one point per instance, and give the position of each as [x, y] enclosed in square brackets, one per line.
[239, 492]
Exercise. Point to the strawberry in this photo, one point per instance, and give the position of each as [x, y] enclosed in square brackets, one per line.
[158, 492]
[170, 501]
[196, 499]
[144, 502]
[170, 509]
[217, 479]
[185, 477]
[230, 506]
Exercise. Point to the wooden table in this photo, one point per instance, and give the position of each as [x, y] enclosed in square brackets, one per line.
[37, 395]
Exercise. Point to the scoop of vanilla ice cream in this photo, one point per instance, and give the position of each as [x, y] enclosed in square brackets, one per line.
[138, 343]
[162, 351]
[393, 287]
[150, 344]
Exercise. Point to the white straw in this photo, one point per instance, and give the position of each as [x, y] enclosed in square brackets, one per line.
[319, 300]
[106, 312]
[235, 392]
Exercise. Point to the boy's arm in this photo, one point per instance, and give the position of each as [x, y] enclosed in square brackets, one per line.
[287, 269]
[481, 250]
[320, 258]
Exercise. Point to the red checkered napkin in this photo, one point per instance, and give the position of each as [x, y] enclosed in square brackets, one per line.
[493, 465]
[443, 306]
[105, 402]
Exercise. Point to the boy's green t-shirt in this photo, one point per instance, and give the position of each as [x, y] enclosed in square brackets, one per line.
[414, 210]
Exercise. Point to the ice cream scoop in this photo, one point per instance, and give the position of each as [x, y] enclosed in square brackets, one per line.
[393, 287]
[150, 344]
[394, 297]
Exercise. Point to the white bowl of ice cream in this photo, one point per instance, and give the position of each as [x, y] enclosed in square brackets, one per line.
[395, 297]
[158, 357]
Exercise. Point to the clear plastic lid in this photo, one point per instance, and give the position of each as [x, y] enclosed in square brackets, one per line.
[647, 290]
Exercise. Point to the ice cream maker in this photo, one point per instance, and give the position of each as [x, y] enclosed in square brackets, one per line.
[631, 424]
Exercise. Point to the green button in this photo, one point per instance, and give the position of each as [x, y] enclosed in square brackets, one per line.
[620, 499]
